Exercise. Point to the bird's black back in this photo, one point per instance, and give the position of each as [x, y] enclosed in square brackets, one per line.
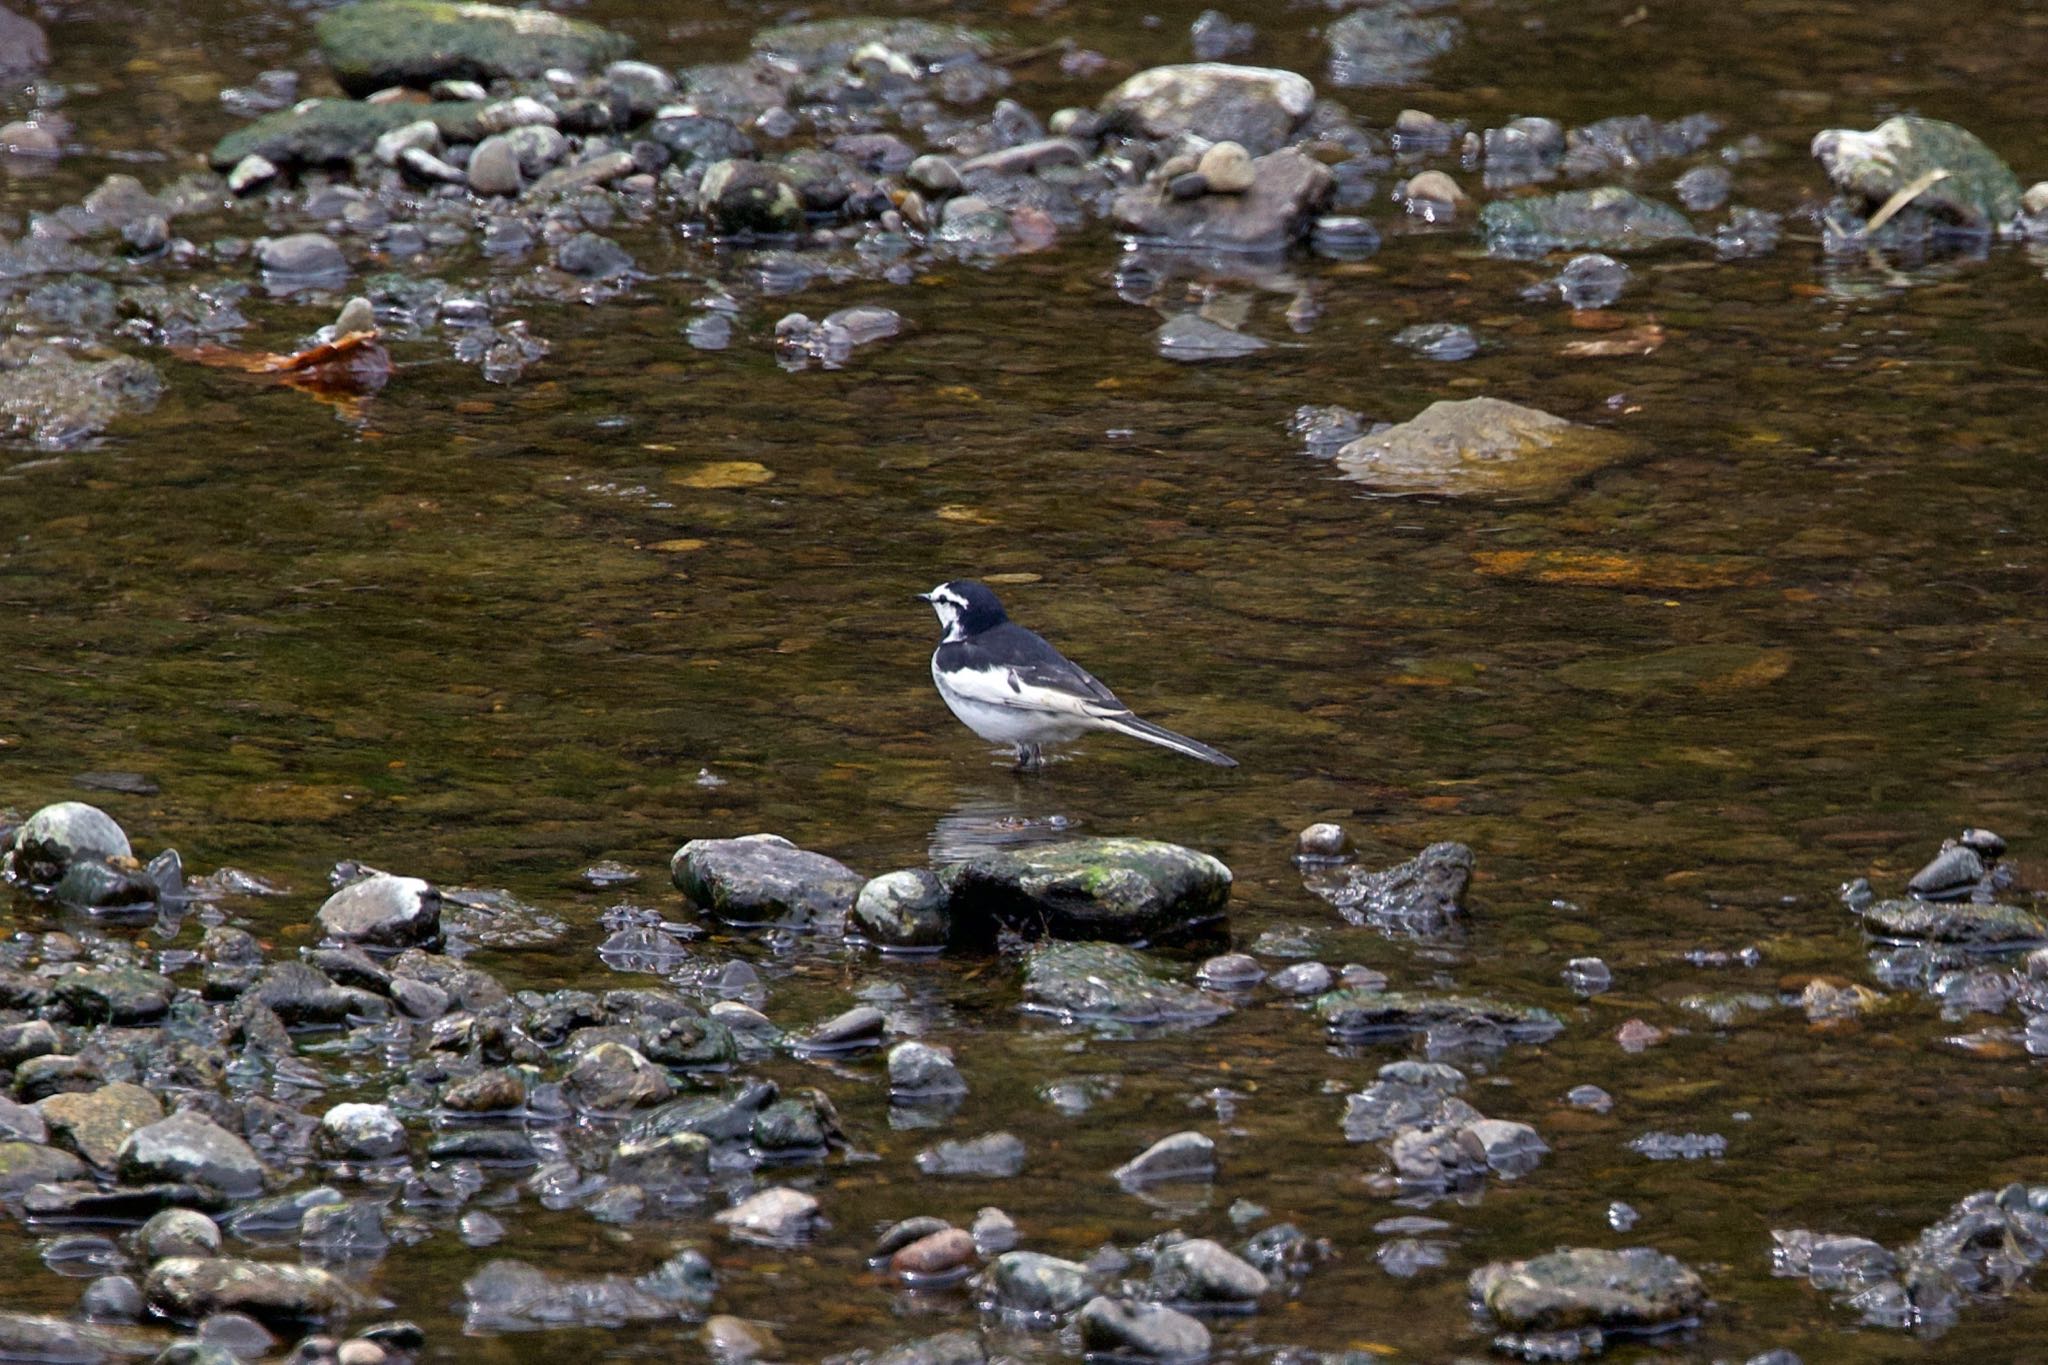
[1031, 661]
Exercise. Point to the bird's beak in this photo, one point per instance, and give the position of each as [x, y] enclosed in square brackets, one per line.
[924, 597]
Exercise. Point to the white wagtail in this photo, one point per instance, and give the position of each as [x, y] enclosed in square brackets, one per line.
[1008, 685]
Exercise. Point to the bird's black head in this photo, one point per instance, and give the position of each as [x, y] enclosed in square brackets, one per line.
[965, 608]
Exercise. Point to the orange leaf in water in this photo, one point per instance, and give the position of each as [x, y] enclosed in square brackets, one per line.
[1635, 341]
[340, 371]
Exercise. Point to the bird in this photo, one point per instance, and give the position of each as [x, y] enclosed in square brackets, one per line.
[1008, 685]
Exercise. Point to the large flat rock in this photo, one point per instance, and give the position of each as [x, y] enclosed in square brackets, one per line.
[1481, 446]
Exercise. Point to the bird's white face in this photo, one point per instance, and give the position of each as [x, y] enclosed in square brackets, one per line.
[948, 605]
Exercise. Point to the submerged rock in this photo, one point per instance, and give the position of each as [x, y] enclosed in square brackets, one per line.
[1481, 445]
[1424, 895]
[1363, 1012]
[1607, 219]
[823, 44]
[993, 1156]
[188, 1288]
[1033, 1283]
[1966, 185]
[1257, 107]
[1583, 1287]
[1182, 1156]
[1120, 890]
[1103, 983]
[776, 1216]
[55, 401]
[1201, 1271]
[374, 44]
[512, 1296]
[764, 879]
[1390, 42]
[34, 1336]
[383, 911]
[1191, 337]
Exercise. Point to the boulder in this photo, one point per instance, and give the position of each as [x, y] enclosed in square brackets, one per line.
[1031, 1282]
[1424, 895]
[59, 835]
[327, 132]
[188, 1146]
[1481, 446]
[379, 43]
[96, 1123]
[1121, 1329]
[764, 879]
[1120, 890]
[383, 911]
[1974, 190]
[27, 1164]
[903, 910]
[1362, 1012]
[1259, 108]
[1958, 922]
[750, 198]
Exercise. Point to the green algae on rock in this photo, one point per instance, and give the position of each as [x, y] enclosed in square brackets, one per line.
[1123, 890]
[764, 879]
[1484, 446]
[826, 43]
[1358, 1012]
[325, 132]
[380, 43]
[1967, 185]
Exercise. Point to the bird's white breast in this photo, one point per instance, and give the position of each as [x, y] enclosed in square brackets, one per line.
[987, 703]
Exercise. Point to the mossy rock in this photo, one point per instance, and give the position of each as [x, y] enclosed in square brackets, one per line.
[1959, 922]
[1104, 983]
[824, 44]
[1118, 890]
[324, 132]
[1606, 219]
[380, 43]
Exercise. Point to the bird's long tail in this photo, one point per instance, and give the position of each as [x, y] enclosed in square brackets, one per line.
[1128, 724]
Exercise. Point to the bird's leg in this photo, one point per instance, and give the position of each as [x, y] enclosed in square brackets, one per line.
[1030, 758]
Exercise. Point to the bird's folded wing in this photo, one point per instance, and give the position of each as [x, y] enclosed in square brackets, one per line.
[1066, 691]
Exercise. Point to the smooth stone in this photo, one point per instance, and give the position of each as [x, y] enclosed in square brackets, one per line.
[423, 134]
[1199, 1270]
[592, 256]
[904, 910]
[494, 167]
[1148, 1331]
[513, 1296]
[1364, 1012]
[922, 1071]
[346, 1231]
[1584, 1287]
[376, 44]
[747, 198]
[110, 1298]
[1257, 107]
[361, 1132]
[1288, 190]
[774, 1216]
[763, 879]
[178, 1232]
[1959, 922]
[1190, 337]
[58, 835]
[27, 1164]
[114, 995]
[1607, 219]
[1109, 984]
[936, 1254]
[1227, 166]
[1481, 446]
[95, 1124]
[37, 1337]
[1182, 1156]
[188, 1146]
[383, 911]
[301, 256]
[612, 1078]
[1507, 1148]
[1032, 1282]
[188, 1288]
[935, 175]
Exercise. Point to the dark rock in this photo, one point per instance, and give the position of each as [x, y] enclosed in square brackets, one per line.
[379, 43]
[1257, 107]
[593, 257]
[612, 1078]
[902, 910]
[958, 1347]
[1180, 1157]
[748, 198]
[1146, 1331]
[1389, 42]
[1583, 1287]
[123, 996]
[724, 1118]
[1964, 923]
[1607, 219]
[329, 132]
[793, 1129]
[75, 1201]
[863, 1026]
[110, 1298]
[1952, 872]
[993, 1156]
[342, 1232]
[188, 1146]
[1104, 889]
[1288, 189]
[919, 1071]
[1105, 984]
[764, 879]
[40, 1077]
[187, 1288]
[1424, 895]
[1483, 446]
[383, 911]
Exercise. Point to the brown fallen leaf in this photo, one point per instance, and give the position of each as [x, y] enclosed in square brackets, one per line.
[1640, 340]
[341, 372]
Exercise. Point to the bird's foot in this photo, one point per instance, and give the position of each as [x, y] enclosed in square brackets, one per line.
[1030, 758]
